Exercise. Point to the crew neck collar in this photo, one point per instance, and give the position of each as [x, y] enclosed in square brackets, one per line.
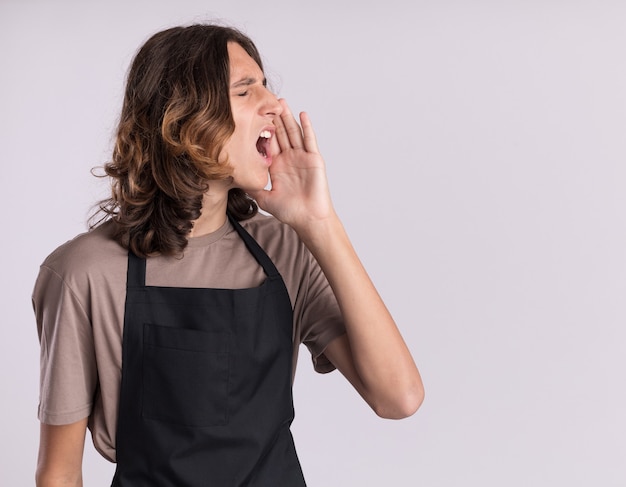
[209, 238]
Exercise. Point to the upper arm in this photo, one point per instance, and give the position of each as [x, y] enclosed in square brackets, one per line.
[61, 454]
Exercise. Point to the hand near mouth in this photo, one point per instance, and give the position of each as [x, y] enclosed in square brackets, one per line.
[299, 195]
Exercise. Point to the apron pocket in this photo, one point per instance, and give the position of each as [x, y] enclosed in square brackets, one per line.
[185, 376]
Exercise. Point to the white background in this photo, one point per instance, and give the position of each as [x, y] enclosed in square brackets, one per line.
[476, 152]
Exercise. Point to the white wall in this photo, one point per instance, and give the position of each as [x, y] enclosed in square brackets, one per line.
[476, 152]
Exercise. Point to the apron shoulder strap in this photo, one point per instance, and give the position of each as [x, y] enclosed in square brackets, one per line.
[136, 275]
[255, 249]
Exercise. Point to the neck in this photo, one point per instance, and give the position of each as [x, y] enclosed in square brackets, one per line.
[213, 216]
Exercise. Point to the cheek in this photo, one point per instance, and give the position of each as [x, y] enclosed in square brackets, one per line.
[238, 139]
[233, 145]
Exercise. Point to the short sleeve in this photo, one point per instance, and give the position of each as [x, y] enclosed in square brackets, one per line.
[68, 373]
[321, 319]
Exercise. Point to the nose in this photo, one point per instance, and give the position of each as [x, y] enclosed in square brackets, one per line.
[271, 105]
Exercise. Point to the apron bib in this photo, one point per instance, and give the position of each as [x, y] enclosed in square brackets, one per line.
[206, 394]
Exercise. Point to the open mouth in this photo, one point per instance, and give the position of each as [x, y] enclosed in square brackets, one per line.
[263, 143]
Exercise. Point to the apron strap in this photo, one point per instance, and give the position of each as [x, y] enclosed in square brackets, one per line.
[255, 249]
[136, 275]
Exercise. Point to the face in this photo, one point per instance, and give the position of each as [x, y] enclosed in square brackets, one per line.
[254, 108]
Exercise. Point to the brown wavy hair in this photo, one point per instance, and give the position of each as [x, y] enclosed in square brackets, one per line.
[175, 120]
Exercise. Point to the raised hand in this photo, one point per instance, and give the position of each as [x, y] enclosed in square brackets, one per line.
[299, 195]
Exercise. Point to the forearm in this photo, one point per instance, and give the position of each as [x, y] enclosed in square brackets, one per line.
[45, 478]
[389, 379]
[59, 463]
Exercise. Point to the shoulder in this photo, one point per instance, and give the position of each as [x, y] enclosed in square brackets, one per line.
[88, 256]
[267, 230]
[279, 240]
[295, 263]
[264, 222]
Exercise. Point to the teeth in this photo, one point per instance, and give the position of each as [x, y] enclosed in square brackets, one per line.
[266, 134]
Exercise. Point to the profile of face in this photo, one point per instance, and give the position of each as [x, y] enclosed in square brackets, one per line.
[253, 108]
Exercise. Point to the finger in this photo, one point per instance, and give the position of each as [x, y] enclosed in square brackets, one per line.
[275, 147]
[294, 132]
[281, 134]
[310, 140]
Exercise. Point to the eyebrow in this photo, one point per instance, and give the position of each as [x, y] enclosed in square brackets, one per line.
[247, 82]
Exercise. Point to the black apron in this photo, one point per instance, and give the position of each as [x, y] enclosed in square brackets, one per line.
[206, 395]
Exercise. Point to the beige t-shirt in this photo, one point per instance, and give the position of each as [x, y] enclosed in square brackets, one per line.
[79, 300]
